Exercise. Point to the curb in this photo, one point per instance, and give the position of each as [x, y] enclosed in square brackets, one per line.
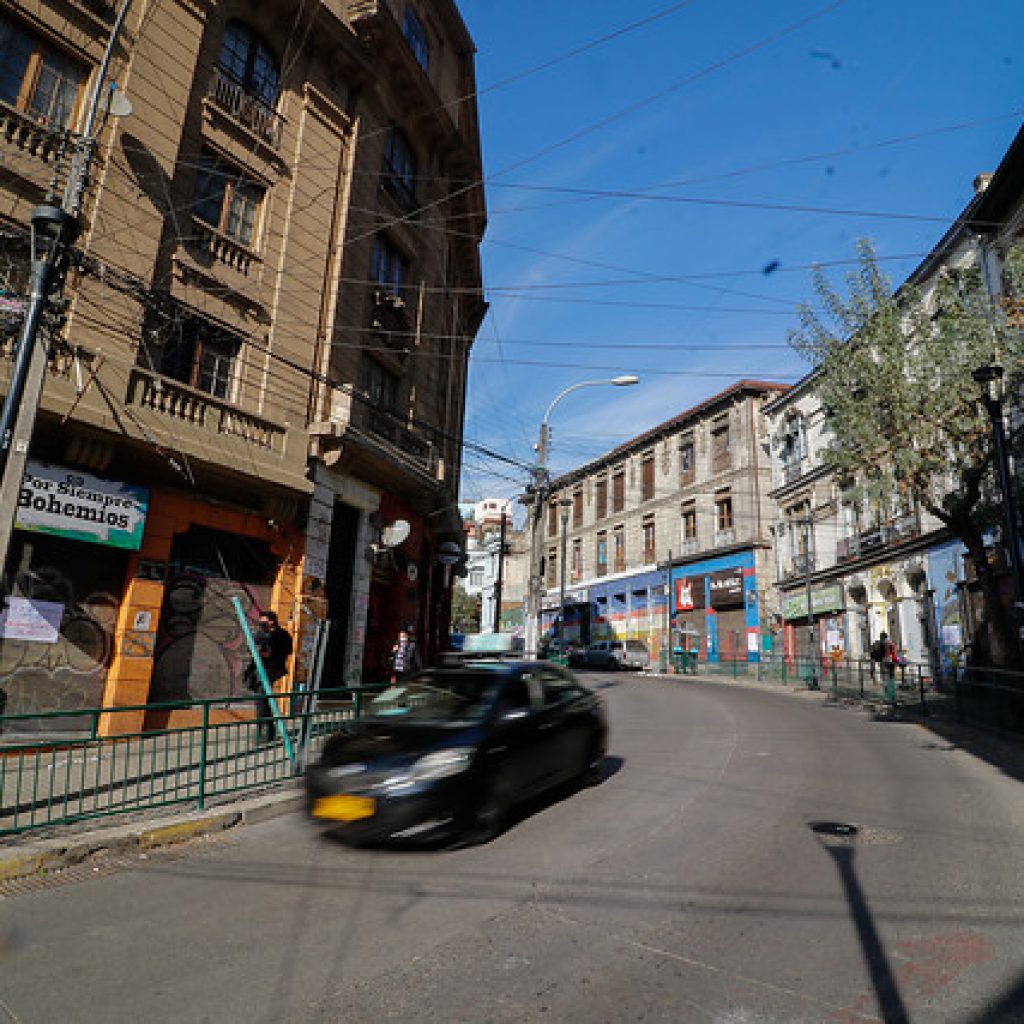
[51, 855]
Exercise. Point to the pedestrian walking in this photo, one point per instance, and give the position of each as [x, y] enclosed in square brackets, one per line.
[275, 647]
[405, 656]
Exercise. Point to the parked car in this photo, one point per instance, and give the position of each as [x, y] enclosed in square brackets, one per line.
[451, 750]
[618, 654]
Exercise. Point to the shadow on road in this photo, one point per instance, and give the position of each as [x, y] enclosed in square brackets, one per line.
[890, 1003]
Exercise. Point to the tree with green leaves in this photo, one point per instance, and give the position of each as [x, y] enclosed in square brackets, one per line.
[894, 377]
[465, 611]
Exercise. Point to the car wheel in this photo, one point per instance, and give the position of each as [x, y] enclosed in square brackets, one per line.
[593, 767]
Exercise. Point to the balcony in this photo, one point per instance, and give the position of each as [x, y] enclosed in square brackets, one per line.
[38, 140]
[799, 565]
[221, 248]
[723, 538]
[252, 112]
[892, 532]
[792, 471]
[688, 546]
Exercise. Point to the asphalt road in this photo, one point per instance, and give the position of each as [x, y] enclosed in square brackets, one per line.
[689, 886]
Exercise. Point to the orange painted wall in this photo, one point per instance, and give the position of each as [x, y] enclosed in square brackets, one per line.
[171, 512]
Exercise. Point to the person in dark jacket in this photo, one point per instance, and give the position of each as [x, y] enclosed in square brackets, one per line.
[275, 647]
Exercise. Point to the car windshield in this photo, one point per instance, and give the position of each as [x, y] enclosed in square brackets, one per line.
[438, 697]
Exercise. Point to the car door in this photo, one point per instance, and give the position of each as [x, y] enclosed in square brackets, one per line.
[563, 729]
[512, 750]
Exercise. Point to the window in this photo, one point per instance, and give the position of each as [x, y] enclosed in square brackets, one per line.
[379, 386]
[601, 553]
[601, 498]
[185, 347]
[619, 491]
[390, 268]
[649, 548]
[245, 58]
[416, 36]
[689, 522]
[723, 512]
[226, 200]
[720, 455]
[687, 461]
[553, 519]
[647, 476]
[476, 577]
[399, 174]
[577, 507]
[577, 559]
[37, 78]
[620, 549]
[552, 579]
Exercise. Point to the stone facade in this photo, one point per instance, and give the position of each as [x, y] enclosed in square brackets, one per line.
[230, 318]
[680, 504]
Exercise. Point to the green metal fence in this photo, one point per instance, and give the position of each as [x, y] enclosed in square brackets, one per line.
[990, 698]
[56, 768]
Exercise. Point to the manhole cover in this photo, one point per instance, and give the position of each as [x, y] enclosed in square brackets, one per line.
[840, 829]
[845, 833]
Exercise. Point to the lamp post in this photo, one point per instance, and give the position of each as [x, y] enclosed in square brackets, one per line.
[540, 491]
[991, 380]
[565, 504]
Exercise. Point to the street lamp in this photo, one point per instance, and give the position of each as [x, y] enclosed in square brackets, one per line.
[991, 380]
[565, 504]
[540, 488]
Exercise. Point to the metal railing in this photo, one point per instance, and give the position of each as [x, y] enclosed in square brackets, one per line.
[989, 698]
[55, 772]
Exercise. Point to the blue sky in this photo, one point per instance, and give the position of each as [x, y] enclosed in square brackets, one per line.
[729, 107]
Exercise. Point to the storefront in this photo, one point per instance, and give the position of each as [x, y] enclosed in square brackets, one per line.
[125, 595]
[630, 608]
[715, 607]
[827, 616]
[70, 553]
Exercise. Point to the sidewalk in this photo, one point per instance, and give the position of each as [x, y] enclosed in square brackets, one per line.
[45, 856]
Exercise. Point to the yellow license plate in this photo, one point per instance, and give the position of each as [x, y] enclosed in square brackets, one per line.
[343, 808]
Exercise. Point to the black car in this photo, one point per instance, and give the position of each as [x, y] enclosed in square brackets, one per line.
[452, 750]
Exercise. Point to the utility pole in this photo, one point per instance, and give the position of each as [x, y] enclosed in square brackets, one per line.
[54, 230]
[501, 572]
[564, 503]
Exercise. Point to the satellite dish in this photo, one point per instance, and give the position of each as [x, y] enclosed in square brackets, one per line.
[118, 105]
[449, 553]
[393, 535]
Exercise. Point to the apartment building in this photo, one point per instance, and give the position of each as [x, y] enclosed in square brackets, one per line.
[243, 364]
[665, 538]
[874, 563]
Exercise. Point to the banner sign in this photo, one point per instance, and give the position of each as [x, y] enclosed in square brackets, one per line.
[23, 619]
[824, 599]
[727, 588]
[67, 503]
[689, 593]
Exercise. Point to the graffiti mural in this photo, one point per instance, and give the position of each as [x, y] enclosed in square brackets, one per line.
[68, 674]
[201, 652]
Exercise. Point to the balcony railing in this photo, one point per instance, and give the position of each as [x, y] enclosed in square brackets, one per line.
[188, 405]
[248, 109]
[792, 471]
[26, 133]
[724, 537]
[221, 247]
[865, 542]
[389, 427]
[799, 565]
[688, 546]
